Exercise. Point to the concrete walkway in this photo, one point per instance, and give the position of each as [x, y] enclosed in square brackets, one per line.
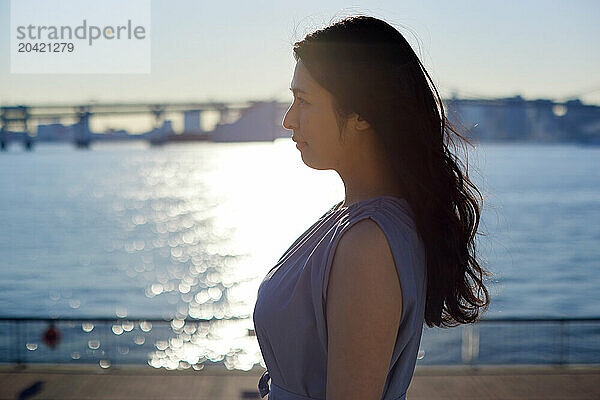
[432, 383]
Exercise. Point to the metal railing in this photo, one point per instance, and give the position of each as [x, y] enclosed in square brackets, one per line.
[103, 341]
[157, 342]
[557, 341]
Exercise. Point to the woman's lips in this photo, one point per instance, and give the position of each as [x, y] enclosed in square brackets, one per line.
[299, 144]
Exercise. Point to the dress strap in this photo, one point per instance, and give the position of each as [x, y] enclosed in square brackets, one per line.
[263, 384]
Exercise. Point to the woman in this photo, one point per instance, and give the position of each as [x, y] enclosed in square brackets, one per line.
[340, 315]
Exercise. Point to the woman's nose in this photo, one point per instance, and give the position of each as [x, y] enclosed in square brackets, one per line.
[288, 120]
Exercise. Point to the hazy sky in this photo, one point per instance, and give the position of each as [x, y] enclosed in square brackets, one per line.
[241, 50]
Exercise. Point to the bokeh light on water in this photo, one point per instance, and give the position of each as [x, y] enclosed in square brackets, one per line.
[184, 231]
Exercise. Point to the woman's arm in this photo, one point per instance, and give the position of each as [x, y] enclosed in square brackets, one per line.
[364, 306]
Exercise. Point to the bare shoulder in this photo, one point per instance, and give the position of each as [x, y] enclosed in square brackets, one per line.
[365, 242]
[363, 307]
[363, 258]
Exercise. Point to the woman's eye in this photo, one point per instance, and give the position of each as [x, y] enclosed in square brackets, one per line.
[301, 101]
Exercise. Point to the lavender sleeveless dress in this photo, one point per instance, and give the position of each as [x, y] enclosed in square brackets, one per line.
[290, 314]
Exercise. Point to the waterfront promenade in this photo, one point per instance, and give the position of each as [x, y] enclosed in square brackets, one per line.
[453, 382]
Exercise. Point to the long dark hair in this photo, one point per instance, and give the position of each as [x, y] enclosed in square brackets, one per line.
[371, 70]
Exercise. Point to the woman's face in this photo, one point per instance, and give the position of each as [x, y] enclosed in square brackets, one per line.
[312, 119]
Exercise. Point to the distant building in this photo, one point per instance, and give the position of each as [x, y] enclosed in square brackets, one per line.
[55, 132]
[192, 122]
[259, 122]
[512, 119]
[112, 134]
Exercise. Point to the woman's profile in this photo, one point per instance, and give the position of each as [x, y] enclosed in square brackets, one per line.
[340, 315]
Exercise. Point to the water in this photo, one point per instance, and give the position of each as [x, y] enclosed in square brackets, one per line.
[126, 230]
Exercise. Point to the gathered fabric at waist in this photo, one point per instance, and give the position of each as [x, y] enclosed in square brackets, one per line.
[276, 392]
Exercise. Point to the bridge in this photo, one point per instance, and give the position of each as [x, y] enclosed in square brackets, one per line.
[18, 120]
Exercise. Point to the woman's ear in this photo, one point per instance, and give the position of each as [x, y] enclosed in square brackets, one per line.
[360, 123]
